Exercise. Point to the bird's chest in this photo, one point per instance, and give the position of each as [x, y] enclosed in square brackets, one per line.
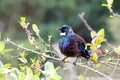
[68, 46]
[64, 43]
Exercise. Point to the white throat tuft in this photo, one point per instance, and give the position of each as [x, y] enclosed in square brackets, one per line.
[63, 34]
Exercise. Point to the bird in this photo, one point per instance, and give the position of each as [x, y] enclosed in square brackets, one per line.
[71, 44]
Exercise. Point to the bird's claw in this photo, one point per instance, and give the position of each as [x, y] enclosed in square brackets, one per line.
[74, 63]
[63, 60]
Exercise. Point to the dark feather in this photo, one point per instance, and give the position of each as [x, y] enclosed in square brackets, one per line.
[73, 45]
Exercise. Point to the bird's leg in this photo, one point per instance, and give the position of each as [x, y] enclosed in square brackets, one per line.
[75, 60]
[63, 60]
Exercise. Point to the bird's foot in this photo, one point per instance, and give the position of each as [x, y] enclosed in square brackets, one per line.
[74, 63]
[63, 60]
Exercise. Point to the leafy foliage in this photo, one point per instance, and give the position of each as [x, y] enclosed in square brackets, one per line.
[97, 40]
[41, 66]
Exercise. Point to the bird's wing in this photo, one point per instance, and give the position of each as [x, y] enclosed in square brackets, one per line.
[81, 45]
[80, 40]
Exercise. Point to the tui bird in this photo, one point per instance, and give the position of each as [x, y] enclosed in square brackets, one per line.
[71, 44]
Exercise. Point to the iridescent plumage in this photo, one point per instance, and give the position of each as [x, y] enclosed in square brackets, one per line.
[71, 44]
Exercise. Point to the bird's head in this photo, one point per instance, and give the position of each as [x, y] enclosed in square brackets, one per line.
[65, 29]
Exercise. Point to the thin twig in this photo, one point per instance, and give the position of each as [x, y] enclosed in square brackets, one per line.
[29, 50]
[115, 67]
[109, 62]
[96, 71]
[81, 16]
[58, 59]
[109, 65]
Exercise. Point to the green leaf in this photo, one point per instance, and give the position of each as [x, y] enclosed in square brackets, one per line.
[49, 66]
[13, 76]
[90, 45]
[35, 77]
[57, 68]
[7, 50]
[108, 59]
[2, 46]
[94, 57]
[21, 76]
[98, 65]
[56, 77]
[117, 49]
[104, 5]
[22, 22]
[35, 28]
[111, 16]
[23, 60]
[29, 74]
[93, 34]
[2, 76]
[32, 40]
[23, 19]
[22, 54]
[106, 50]
[50, 72]
[98, 41]
[7, 65]
[101, 33]
[109, 2]
[65, 69]
[37, 73]
[81, 77]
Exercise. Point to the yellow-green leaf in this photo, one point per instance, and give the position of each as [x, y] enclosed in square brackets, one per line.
[23, 23]
[7, 65]
[35, 28]
[21, 76]
[108, 59]
[23, 60]
[80, 77]
[90, 45]
[101, 33]
[94, 56]
[98, 64]
[111, 16]
[23, 19]
[49, 67]
[117, 49]
[66, 69]
[37, 73]
[109, 2]
[106, 50]
[2, 46]
[32, 40]
[7, 50]
[93, 34]
[98, 41]
[104, 5]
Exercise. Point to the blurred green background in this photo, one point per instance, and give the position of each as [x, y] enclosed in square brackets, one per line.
[51, 14]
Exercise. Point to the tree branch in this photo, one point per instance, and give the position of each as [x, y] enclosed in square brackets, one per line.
[58, 59]
[96, 71]
[81, 16]
[29, 50]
